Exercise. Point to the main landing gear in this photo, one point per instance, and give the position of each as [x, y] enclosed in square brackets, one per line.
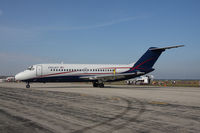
[27, 85]
[96, 84]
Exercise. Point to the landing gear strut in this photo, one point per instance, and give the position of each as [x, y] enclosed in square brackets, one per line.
[96, 84]
[28, 85]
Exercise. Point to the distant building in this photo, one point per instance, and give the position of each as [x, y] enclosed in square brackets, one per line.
[7, 79]
[2, 80]
[10, 79]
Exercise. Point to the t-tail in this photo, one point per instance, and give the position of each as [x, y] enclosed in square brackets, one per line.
[146, 62]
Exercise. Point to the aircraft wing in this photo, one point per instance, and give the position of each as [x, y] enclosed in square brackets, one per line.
[110, 77]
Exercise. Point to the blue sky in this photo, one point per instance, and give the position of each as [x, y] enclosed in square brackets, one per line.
[100, 31]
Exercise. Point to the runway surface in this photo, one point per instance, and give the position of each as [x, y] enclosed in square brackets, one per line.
[80, 108]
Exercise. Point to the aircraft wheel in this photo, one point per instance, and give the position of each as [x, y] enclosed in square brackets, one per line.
[95, 84]
[101, 85]
[27, 86]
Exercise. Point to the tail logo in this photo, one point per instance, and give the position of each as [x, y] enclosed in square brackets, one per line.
[137, 67]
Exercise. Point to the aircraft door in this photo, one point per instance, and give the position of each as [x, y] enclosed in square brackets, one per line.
[85, 70]
[38, 70]
[117, 70]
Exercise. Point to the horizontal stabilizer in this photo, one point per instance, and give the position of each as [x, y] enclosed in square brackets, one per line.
[154, 49]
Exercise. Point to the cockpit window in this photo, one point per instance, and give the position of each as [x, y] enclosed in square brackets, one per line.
[30, 68]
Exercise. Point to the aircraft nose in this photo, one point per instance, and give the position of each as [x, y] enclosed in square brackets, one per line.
[18, 77]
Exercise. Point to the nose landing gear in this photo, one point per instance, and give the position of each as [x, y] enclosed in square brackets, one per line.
[97, 84]
[27, 85]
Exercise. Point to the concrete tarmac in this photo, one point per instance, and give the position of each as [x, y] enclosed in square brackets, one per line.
[80, 108]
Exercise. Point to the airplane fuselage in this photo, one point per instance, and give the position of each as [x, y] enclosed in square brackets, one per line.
[96, 73]
[69, 72]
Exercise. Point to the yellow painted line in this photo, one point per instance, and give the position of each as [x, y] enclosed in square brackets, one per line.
[115, 98]
[83, 95]
[157, 102]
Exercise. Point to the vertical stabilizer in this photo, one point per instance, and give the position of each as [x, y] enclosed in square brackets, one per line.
[147, 61]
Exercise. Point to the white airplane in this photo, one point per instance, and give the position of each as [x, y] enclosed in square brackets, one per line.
[95, 73]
